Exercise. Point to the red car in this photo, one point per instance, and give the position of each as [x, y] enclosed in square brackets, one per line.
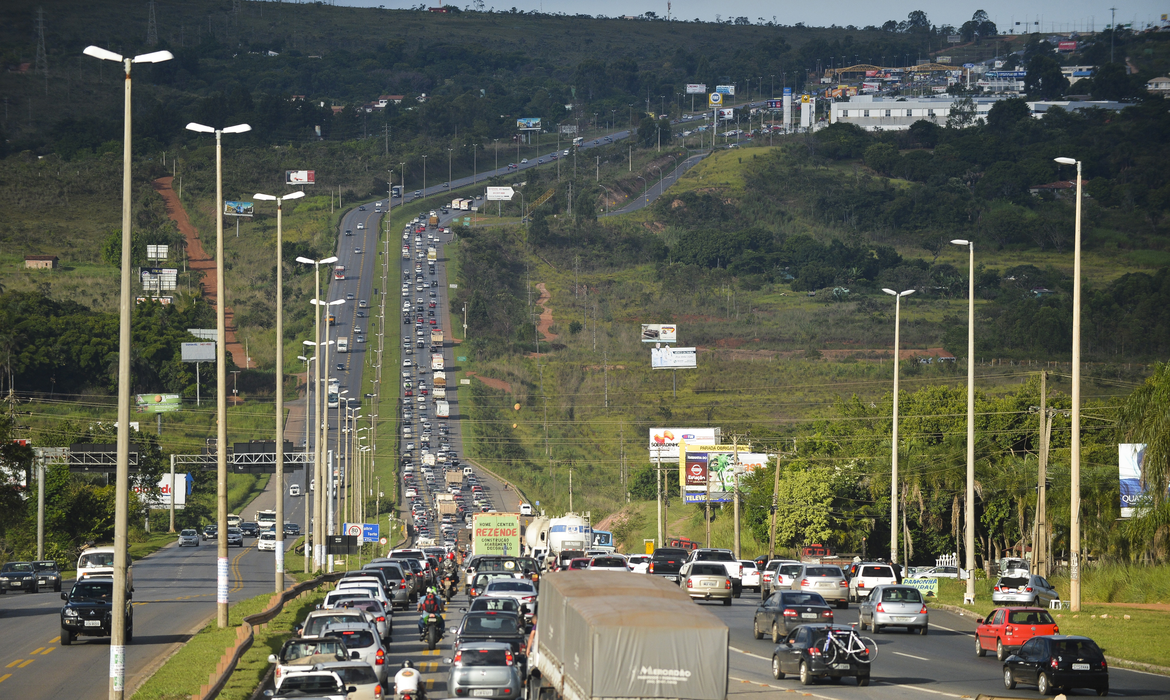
[433, 321]
[1006, 629]
[578, 564]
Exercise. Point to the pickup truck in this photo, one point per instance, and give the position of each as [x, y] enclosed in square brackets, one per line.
[719, 556]
[666, 562]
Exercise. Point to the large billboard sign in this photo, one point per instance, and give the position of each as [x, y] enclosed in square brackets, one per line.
[714, 100]
[500, 194]
[696, 88]
[158, 403]
[300, 177]
[664, 441]
[496, 534]
[159, 497]
[725, 89]
[528, 123]
[709, 472]
[198, 352]
[238, 209]
[659, 333]
[727, 114]
[673, 358]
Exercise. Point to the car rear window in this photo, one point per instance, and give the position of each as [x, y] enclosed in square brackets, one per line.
[356, 675]
[748, 565]
[790, 569]
[708, 570]
[310, 683]
[1012, 582]
[877, 571]
[823, 571]
[714, 556]
[355, 639]
[316, 624]
[901, 595]
[495, 624]
[1079, 647]
[1030, 617]
[483, 657]
[803, 599]
[610, 561]
[505, 604]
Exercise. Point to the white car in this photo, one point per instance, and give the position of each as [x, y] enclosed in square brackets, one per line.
[267, 542]
[751, 575]
[360, 226]
[608, 562]
[523, 592]
[639, 563]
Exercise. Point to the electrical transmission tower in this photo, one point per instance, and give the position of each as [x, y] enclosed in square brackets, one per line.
[42, 63]
[151, 26]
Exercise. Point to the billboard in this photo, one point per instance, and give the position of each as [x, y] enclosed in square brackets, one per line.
[159, 497]
[1130, 461]
[500, 194]
[725, 89]
[158, 403]
[696, 88]
[496, 534]
[198, 352]
[775, 104]
[1066, 46]
[710, 471]
[237, 208]
[672, 358]
[727, 114]
[300, 177]
[714, 100]
[659, 333]
[528, 123]
[664, 441]
[568, 128]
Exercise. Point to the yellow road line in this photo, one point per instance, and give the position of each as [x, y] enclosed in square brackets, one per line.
[14, 663]
[26, 663]
[430, 683]
[54, 640]
[428, 666]
[5, 677]
[36, 651]
[235, 569]
[47, 650]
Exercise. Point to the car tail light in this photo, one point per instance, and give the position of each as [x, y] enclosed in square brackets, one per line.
[380, 657]
[508, 657]
[803, 583]
[790, 613]
[1053, 663]
[923, 611]
[378, 692]
[814, 651]
[1104, 665]
[458, 658]
[689, 584]
[861, 584]
[728, 584]
[844, 583]
[651, 569]
[741, 570]
[1055, 628]
[827, 613]
[381, 618]
[879, 608]
[1028, 589]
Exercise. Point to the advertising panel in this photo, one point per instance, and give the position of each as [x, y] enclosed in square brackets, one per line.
[300, 177]
[659, 333]
[711, 469]
[159, 497]
[927, 586]
[775, 104]
[237, 208]
[158, 403]
[664, 441]
[673, 358]
[528, 123]
[696, 88]
[725, 89]
[727, 114]
[714, 100]
[1130, 461]
[198, 352]
[500, 194]
[1066, 46]
[496, 533]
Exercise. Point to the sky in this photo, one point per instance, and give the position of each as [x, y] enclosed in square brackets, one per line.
[1054, 15]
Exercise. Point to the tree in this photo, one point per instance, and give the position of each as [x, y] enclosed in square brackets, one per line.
[1145, 418]
[1005, 114]
[1044, 79]
[1110, 82]
[978, 27]
[963, 114]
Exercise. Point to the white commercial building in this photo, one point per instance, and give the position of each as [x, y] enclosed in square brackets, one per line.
[898, 113]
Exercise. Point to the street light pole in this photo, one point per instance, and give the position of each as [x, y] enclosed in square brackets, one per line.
[894, 449]
[279, 552]
[220, 372]
[424, 189]
[116, 687]
[969, 540]
[305, 494]
[1074, 583]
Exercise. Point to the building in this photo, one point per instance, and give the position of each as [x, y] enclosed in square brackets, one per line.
[897, 114]
[1159, 86]
[385, 100]
[1058, 189]
[40, 262]
[1076, 73]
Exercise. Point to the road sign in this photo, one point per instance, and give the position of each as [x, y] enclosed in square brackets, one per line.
[369, 532]
[353, 529]
[462, 358]
[382, 541]
[500, 194]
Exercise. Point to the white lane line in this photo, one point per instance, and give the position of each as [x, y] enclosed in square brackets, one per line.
[754, 656]
[948, 629]
[910, 656]
[933, 692]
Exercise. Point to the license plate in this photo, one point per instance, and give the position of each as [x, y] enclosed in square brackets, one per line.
[1080, 667]
[708, 583]
[902, 619]
[483, 692]
[841, 667]
[93, 623]
[16, 584]
[808, 616]
[670, 578]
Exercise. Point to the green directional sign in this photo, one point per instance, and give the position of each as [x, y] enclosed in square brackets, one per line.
[462, 358]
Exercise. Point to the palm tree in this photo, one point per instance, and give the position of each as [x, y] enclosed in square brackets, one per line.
[1145, 418]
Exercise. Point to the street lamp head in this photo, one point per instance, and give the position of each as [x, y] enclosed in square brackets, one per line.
[294, 195]
[237, 129]
[889, 291]
[192, 126]
[906, 293]
[335, 302]
[98, 52]
[302, 259]
[327, 261]
[961, 241]
[154, 57]
[1065, 161]
[264, 197]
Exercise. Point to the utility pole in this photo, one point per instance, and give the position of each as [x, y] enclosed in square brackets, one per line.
[42, 59]
[151, 26]
[1040, 558]
[658, 484]
[775, 508]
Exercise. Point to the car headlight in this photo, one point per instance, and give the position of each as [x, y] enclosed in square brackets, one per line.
[70, 612]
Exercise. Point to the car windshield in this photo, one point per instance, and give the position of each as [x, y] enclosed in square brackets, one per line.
[490, 624]
[310, 683]
[823, 571]
[482, 657]
[17, 567]
[1012, 582]
[45, 565]
[1030, 617]
[187, 533]
[901, 595]
[803, 599]
[92, 590]
[313, 647]
[96, 560]
[708, 570]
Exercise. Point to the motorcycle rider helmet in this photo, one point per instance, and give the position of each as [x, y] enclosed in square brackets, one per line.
[408, 664]
[451, 556]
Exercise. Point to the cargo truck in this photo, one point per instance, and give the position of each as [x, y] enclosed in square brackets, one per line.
[432, 254]
[454, 478]
[446, 504]
[433, 220]
[343, 345]
[442, 409]
[440, 393]
[437, 337]
[440, 379]
[437, 362]
[612, 635]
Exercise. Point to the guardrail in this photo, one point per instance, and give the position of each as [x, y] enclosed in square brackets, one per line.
[245, 634]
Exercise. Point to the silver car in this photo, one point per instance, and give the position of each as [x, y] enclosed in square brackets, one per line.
[484, 670]
[1022, 588]
[362, 639]
[894, 606]
[189, 537]
[828, 581]
[357, 675]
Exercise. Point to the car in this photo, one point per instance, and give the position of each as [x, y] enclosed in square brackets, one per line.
[894, 606]
[1022, 588]
[638, 563]
[868, 575]
[363, 643]
[773, 577]
[88, 608]
[349, 296]
[250, 529]
[609, 562]
[348, 232]
[362, 208]
[292, 529]
[299, 654]
[361, 314]
[1007, 629]
[318, 685]
[210, 532]
[362, 303]
[539, 161]
[418, 193]
[490, 626]
[188, 537]
[1058, 661]
[235, 537]
[725, 558]
[784, 611]
[49, 573]
[357, 251]
[523, 161]
[939, 572]
[19, 576]
[360, 226]
[340, 366]
[707, 581]
[800, 653]
[361, 682]
[825, 579]
[520, 590]
[751, 575]
[484, 670]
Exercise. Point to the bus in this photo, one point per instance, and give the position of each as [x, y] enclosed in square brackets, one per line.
[602, 540]
[334, 393]
[266, 519]
[339, 272]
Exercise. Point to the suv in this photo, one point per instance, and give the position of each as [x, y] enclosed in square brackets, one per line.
[89, 610]
[300, 655]
[868, 576]
[666, 562]
[722, 556]
[778, 576]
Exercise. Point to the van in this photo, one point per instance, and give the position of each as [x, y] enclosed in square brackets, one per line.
[468, 471]
[525, 509]
[867, 576]
[98, 562]
[294, 490]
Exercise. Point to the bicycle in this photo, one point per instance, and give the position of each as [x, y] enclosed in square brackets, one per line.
[862, 650]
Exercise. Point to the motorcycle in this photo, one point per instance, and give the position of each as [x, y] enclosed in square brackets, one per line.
[432, 630]
[449, 587]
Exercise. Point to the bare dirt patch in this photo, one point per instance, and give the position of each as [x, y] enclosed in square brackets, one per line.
[546, 315]
[499, 384]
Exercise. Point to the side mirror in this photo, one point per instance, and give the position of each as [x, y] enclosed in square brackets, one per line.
[268, 693]
[453, 630]
[788, 643]
[447, 661]
[979, 620]
[350, 689]
[272, 658]
[353, 655]
[64, 596]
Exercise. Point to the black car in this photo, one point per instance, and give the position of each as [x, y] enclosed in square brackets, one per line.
[18, 576]
[48, 574]
[210, 532]
[784, 611]
[1058, 661]
[808, 653]
[88, 611]
[292, 529]
[491, 626]
[250, 529]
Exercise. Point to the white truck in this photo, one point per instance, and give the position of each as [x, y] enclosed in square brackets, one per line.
[343, 344]
[442, 409]
[437, 362]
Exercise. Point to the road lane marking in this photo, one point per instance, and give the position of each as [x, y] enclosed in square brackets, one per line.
[933, 692]
[754, 656]
[47, 650]
[36, 651]
[780, 687]
[54, 640]
[5, 677]
[14, 663]
[26, 663]
[911, 656]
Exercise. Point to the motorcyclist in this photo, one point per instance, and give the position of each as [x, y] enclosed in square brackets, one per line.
[432, 604]
[406, 681]
[449, 570]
